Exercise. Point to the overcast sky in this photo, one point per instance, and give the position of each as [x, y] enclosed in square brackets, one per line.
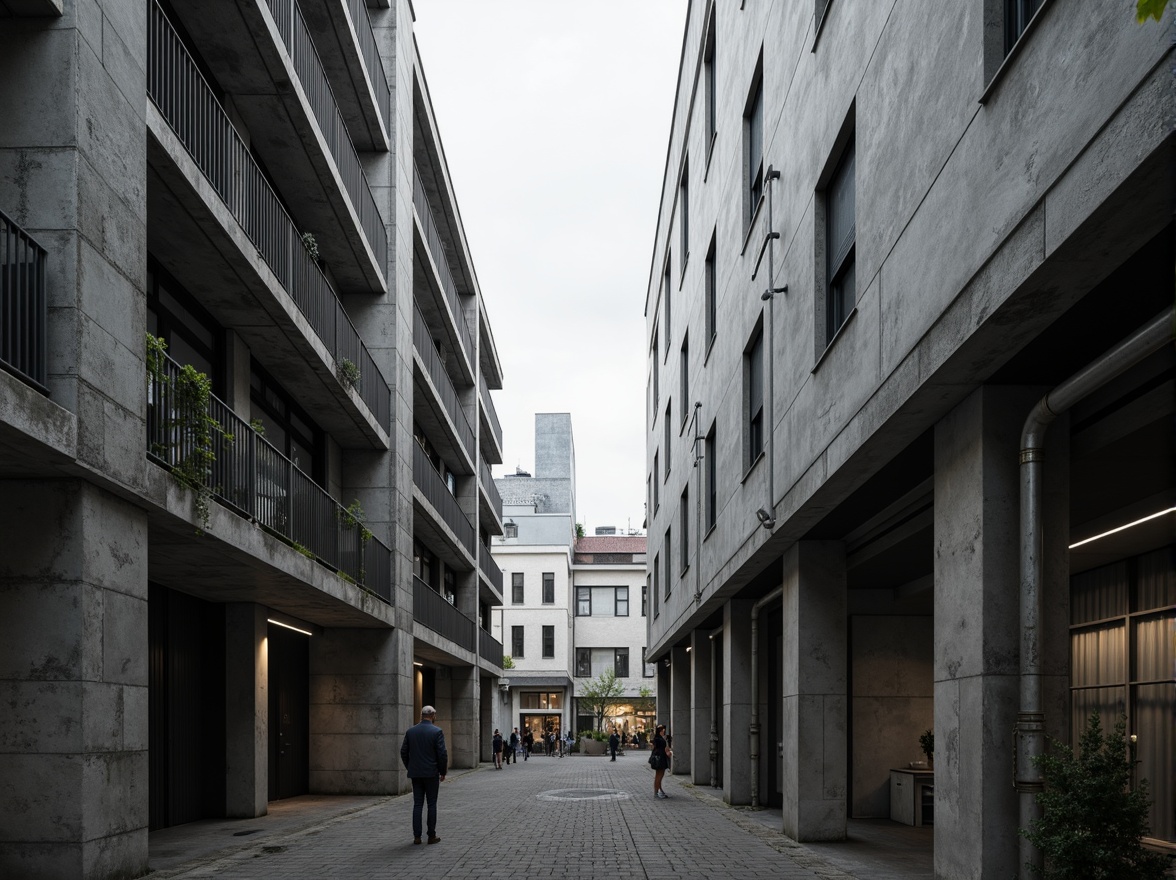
[555, 117]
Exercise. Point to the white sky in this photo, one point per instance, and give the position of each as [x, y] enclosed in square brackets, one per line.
[554, 116]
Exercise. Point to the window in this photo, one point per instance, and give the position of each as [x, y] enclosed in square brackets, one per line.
[666, 297]
[286, 424]
[602, 601]
[684, 214]
[621, 662]
[516, 641]
[510, 530]
[548, 588]
[591, 662]
[753, 377]
[516, 588]
[656, 331]
[709, 84]
[1018, 14]
[684, 379]
[712, 325]
[711, 463]
[669, 434]
[583, 662]
[684, 528]
[656, 484]
[647, 669]
[819, 13]
[548, 641]
[583, 602]
[551, 700]
[424, 564]
[840, 237]
[645, 598]
[622, 602]
[192, 335]
[753, 151]
[656, 585]
[669, 556]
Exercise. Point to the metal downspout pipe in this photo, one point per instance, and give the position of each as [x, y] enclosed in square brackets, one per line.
[1029, 733]
[755, 722]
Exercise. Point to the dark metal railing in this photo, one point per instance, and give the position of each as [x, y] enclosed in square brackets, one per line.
[489, 648]
[489, 566]
[420, 200]
[487, 476]
[437, 494]
[252, 478]
[309, 67]
[365, 37]
[185, 100]
[434, 611]
[436, 370]
[23, 305]
[491, 412]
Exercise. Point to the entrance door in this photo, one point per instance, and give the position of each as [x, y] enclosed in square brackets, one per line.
[540, 724]
[289, 713]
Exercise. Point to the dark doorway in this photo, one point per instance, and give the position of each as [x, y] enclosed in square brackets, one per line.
[772, 748]
[186, 708]
[289, 713]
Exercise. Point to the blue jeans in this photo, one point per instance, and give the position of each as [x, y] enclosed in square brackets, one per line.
[422, 790]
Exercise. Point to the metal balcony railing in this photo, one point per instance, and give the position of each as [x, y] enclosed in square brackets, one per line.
[489, 566]
[436, 370]
[489, 648]
[491, 412]
[434, 611]
[420, 200]
[365, 37]
[23, 305]
[487, 476]
[250, 477]
[309, 67]
[437, 493]
[185, 100]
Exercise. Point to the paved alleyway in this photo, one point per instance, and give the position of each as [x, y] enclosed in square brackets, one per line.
[577, 817]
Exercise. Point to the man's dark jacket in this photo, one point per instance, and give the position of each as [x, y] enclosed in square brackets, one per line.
[423, 751]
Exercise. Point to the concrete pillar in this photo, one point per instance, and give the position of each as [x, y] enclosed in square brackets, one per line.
[461, 734]
[814, 691]
[977, 642]
[356, 721]
[74, 677]
[664, 695]
[735, 736]
[701, 701]
[246, 711]
[680, 679]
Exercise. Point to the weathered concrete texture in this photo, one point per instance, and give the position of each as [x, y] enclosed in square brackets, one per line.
[736, 715]
[73, 665]
[701, 706]
[814, 691]
[680, 715]
[246, 710]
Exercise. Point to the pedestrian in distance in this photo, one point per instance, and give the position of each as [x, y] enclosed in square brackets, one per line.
[528, 742]
[512, 747]
[423, 754]
[614, 743]
[496, 745]
[659, 760]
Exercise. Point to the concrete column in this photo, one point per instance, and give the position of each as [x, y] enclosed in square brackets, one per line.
[74, 677]
[735, 736]
[977, 642]
[246, 711]
[701, 701]
[355, 714]
[461, 734]
[664, 694]
[814, 691]
[680, 679]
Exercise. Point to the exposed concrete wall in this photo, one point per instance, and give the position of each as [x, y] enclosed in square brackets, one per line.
[736, 716]
[246, 710]
[680, 714]
[73, 674]
[701, 703]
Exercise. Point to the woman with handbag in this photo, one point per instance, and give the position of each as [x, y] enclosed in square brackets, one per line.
[659, 760]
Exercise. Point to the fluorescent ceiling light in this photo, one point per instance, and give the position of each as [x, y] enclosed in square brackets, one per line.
[287, 626]
[1127, 526]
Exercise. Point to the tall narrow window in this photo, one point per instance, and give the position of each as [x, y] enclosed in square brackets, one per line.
[516, 641]
[709, 85]
[621, 663]
[656, 585]
[622, 602]
[753, 152]
[709, 282]
[840, 236]
[583, 662]
[583, 602]
[656, 483]
[684, 214]
[669, 557]
[684, 378]
[548, 642]
[516, 588]
[548, 588]
[684, 528]
[1018, 14]
[711, 463]
[666, 326]
[753, 372]
[669, 434]
[655, 371]
[645, 598]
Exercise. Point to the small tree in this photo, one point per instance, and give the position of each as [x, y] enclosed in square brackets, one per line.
[1093, 819]
[601, 695]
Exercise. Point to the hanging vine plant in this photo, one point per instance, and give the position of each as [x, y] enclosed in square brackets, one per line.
[352, 517]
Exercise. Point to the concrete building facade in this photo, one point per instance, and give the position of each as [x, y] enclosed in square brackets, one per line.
[883, 236]
[245, 421]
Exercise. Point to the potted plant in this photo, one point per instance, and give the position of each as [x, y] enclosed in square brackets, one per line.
[927, 744]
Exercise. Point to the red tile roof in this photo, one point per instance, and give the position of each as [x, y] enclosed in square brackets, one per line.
[611, 544]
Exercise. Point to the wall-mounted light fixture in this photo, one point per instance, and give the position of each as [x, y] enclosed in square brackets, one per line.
[288, 626]
[1121, 528]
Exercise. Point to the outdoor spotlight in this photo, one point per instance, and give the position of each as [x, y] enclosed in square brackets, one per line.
[766, 519]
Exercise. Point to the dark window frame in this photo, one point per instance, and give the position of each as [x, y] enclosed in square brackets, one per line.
[548, 597]
[753, 146]
[518, 594]
[710, 284]
[711, 463]
[548, 650]
[621, 662]
[841, 242]
[518, 641]
[753, 413]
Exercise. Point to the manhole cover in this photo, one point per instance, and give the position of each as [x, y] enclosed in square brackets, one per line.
[584, 794]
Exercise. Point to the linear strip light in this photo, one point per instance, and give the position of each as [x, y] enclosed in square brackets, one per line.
[1127, 526]
[287, 626]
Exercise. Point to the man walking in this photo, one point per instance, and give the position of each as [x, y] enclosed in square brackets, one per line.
[512, 747]
[423, 753]
[614, 743]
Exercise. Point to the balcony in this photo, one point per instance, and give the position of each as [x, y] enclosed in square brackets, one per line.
[432, 610]
[489, 648]
[493, 428]
[187, 104]
[436, 250]
[489, 567]
[426, 478]
[435, 370]
[486, 478]
[247, 475]
[23, 306]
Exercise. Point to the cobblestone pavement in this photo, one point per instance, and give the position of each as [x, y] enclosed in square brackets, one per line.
[577, 817]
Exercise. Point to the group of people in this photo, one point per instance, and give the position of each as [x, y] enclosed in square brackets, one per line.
[426, 759]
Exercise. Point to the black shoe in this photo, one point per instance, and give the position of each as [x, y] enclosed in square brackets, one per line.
[416, 840]
[433, 838]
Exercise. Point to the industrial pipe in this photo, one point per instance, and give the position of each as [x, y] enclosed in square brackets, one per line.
[755, 725]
